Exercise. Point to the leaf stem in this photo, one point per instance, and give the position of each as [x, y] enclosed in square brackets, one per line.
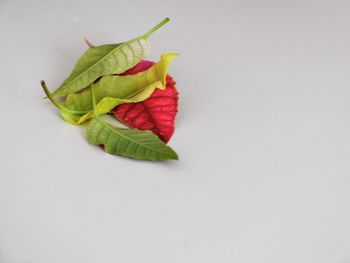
[52, 99]
[56, 102]
[93, 100]
[88, 43]
[164, 21]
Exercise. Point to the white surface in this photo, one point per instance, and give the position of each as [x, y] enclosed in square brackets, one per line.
[262, 133]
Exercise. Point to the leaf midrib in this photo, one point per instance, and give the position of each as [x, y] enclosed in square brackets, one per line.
[116, 131]
[102, 59]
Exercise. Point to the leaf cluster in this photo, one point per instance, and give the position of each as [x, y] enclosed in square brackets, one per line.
[96, 86]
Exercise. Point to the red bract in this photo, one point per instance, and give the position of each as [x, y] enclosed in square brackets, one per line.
[157, 113]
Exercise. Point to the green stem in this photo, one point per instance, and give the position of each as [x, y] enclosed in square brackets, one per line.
[164, 21]
[56, 102]
[93, 100]
[53, 100]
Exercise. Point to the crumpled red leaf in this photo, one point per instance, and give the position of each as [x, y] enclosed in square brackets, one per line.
[157, 113]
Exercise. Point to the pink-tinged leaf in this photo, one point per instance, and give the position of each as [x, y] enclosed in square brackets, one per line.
[142, 66]
[157, 113]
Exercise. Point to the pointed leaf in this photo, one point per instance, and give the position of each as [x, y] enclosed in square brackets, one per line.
[136, 144]
[103, 60]
[112, 91]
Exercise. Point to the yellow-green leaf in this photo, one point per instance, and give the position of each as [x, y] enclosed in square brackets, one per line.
[104, 60]
[112, 91]
[132, 143]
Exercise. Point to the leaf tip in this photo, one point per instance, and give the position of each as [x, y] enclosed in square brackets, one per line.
[173, 155]
[168, 57]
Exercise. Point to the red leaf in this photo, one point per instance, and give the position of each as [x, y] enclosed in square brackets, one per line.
[157, 113]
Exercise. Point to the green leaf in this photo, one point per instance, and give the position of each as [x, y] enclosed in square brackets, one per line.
[104, 60]
[132, 143]
[71, 116]
[112, 91]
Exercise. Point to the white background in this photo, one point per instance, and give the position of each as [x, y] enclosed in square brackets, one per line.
[263, 137]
